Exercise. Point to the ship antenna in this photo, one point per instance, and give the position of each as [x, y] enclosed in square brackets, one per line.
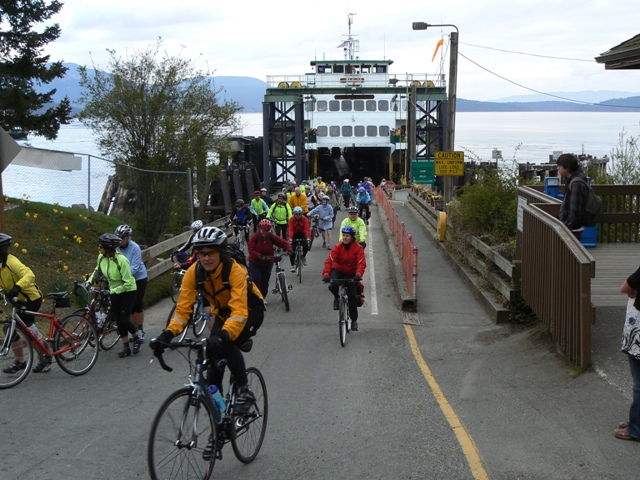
[350, 39]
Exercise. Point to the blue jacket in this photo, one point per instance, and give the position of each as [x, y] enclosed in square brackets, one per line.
[134, 255]
[325, 214]
[363, 198]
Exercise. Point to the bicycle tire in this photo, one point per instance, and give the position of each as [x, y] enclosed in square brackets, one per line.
[251, 426]
[87, 313]
[342, 322]
[175, 420]
[311, 241]
[197, 320]
[299, 264]
[284, 290]
[108, 333]
[7, 355]
[80, 334]
[176, 285]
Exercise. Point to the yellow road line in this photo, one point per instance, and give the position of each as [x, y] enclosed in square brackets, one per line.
[466, 442]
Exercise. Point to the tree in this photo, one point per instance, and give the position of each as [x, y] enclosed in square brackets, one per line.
[156, 112]
[624, 168]
[22, 65]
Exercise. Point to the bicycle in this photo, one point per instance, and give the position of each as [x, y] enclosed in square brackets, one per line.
[189, 431]
[98, 312]
[298, 258]
[344, 320]
[73, 341]
[315, 229]
[197, 322]
[239, 232]
[282, 287]
[177, 275]
[363, 212]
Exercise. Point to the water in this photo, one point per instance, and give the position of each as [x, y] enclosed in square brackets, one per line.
[477, 134]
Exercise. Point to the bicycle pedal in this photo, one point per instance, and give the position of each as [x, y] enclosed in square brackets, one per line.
[290, 287]
[274, 291]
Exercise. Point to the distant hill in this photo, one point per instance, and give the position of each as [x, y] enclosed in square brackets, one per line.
[249, 93]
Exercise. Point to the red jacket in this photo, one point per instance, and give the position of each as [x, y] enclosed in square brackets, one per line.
[301, 226]
[347, 260]
[259, 245]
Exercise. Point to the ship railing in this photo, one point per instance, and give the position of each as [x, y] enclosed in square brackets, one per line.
[351, 80]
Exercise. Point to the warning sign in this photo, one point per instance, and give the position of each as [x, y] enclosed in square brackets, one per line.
[449, 164]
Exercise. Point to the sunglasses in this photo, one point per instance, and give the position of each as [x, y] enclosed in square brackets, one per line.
[210, 253]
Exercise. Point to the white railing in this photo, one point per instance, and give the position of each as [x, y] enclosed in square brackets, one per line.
[350, 80]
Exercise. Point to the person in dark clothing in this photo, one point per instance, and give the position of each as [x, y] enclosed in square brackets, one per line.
[575, 194]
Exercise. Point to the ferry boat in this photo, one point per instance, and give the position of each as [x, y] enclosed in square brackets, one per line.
[351, 118]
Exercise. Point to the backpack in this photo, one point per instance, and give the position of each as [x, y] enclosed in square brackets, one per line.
[592, 207]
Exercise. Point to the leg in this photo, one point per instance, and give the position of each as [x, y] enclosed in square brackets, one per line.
[353, 302]
[217, 349]
[634, 412]
[137, 311]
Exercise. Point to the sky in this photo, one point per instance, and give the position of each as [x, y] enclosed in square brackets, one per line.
[258, 39]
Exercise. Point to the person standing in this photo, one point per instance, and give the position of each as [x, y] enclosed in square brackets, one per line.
[122, 287]
[346, 260]
[131, 250]
[345, 191]
[261, 251]
[334, 201]
[265, 196]
[18, 281]
[576, 193]
[258, 209]
[325, 216]
[280, 213]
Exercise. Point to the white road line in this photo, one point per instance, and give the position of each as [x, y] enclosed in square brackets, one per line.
[372, 271]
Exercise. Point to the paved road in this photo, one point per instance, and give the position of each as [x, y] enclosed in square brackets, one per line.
[368, 410]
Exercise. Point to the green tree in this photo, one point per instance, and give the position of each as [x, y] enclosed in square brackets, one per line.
[155, 112]
[624, 166]
[22, 64]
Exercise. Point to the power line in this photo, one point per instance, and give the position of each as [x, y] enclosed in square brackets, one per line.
[529, 54]
[545, 93]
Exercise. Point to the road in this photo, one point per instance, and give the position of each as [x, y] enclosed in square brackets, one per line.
[443, 394]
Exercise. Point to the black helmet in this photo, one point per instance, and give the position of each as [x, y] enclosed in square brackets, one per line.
[109, 241]
[239, 202]
[124, 231]
[210, 237]
[5, 240]
[281, 195]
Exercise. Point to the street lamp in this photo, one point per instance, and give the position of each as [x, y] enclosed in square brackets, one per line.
[451, 111]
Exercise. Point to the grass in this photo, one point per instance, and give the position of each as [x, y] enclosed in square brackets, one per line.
[60, 244]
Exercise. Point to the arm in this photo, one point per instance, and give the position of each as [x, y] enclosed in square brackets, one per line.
[361, 264]
[184, 306]
[307, 229]
[252, 208]
[137, 265]
[238, 302]
[631, 284]
[361, 231]
[25, 274]
[128, 282]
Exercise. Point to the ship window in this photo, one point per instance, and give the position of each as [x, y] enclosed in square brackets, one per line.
[320, 69]
[365, 69]
[346, 105]
[334, 106]
[310, 106]
[338, 69]
[372, 131]
[383, 105]
[322, 131]
[384, 131]
[334, 131]
[347, 131]
[381, 69]
[358, 105]
[359, 131]
[371, 105]
[322, 105]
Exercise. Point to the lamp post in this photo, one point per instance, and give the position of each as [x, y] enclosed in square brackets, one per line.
[451, 111]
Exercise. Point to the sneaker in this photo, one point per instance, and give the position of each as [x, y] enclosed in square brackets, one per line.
[265, 303]
[43, 366]
[15, 367]
[354, 326]
[293, 269]
[137, 342]
[141, 336]
[324, 244]
[328, 247]
[126, 351]
[304, 262]
[336, 304]
[207, 453]
[244, 400]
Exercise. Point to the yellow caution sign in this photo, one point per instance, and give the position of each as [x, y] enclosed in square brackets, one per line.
[449, 164]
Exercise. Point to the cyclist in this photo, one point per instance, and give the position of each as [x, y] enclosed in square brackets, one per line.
[345, 191]
[265, 196]
[356, 222]
[321, 184]
[131, 250]
[325, 216]
[280, 213]
[258, 209]
[363, 199]
[299, 199]
[18, 281]
[195, 226]
[334, 201]
[238, 306]
[299, 234]
[346, 260]
[261, 250]
[122, 289]
[240, 217]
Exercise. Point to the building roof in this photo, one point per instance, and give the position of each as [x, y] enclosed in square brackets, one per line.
[625, 56]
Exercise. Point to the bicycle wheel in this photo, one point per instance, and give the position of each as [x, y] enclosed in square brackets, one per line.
[109, 335]
[18, 350]
[78, 341]
[250, 427]
[343, 320]
[176, 285]
[284, 290]
[197, 320]
[299, 265]
[180, 433]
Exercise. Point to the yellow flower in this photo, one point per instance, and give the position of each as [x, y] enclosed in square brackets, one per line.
[79, 240]
[35, 215]
[65, 268]
[67, 252]
[84, 218]
[55, 210]
[27, 214]
[16, 244]
[66, 228]
[6, 199]
[24, 250]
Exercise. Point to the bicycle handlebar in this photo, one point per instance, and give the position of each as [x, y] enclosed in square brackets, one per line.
[158, 353]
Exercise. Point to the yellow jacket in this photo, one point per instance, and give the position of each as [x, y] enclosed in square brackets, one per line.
[299, 201]
[16, 273]
[230, 304]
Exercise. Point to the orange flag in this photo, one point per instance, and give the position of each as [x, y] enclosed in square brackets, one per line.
[440, 42]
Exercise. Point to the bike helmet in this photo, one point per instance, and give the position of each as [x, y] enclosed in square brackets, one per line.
[352, 210]
[350, 230]
[281, 195]
[257, 192]
[109, 241]
[5, 240]
[124, 231]
[197, 225]
[265, 224]
[325, 198]
[239, 202]
[319, 178]
[297, 210]
[361, 190]
[209, 237]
